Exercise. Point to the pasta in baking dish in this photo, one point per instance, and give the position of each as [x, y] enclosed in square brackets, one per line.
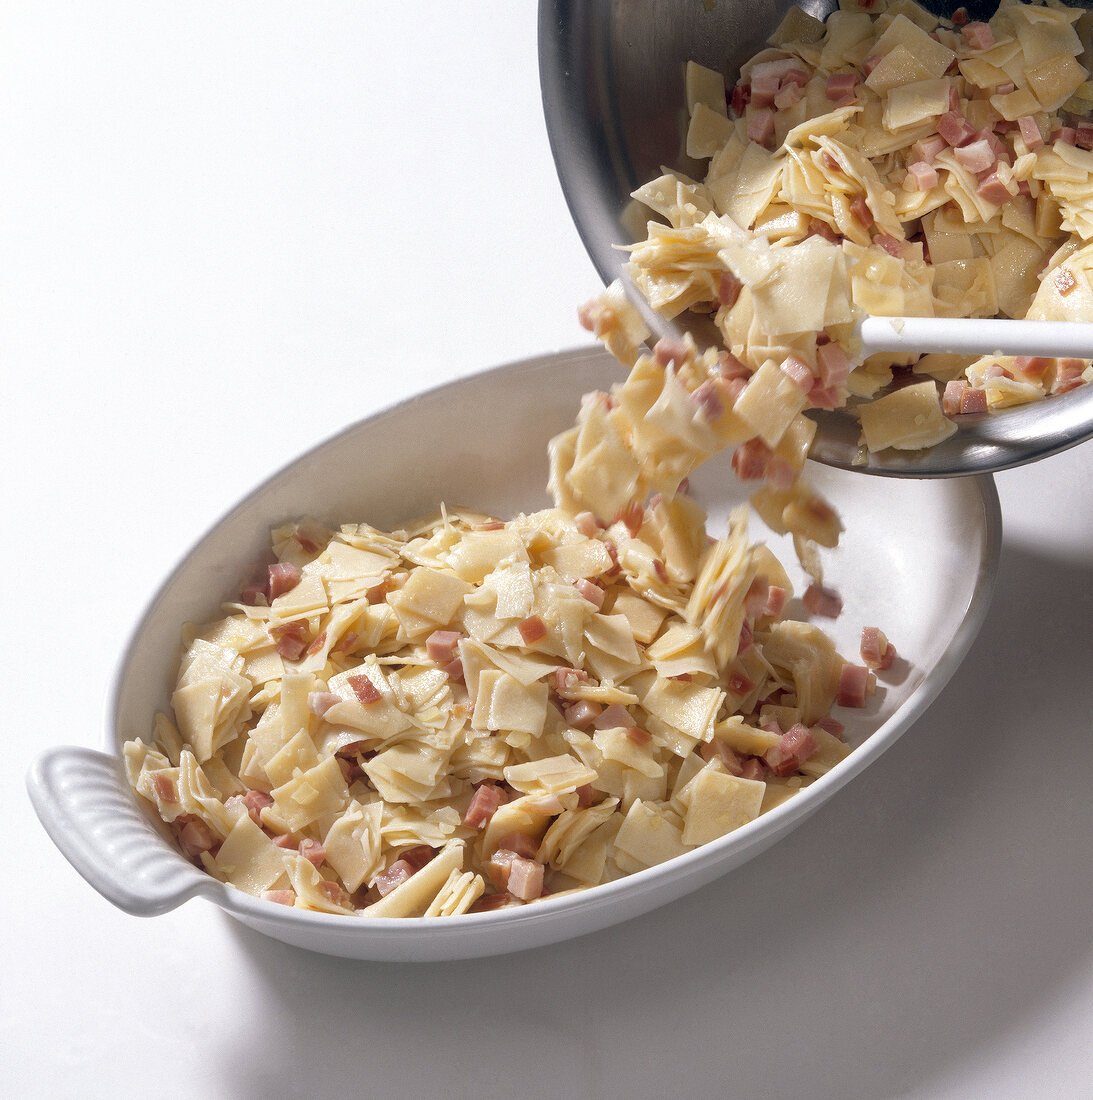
[471, 713]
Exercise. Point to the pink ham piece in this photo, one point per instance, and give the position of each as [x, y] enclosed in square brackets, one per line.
[279, 897]
[638, 735]
[760, 125]
[312, 851]
[750, 459]
[954, 128]
[1033, 366]
[794, 747]
[291, 639]
[443, 645]
[286, 841]
[840, 86]
[921, 176]
[164, 787]
[567, 680]
[993, 189]
[395, 875]
[753, 768]
[832, 364]
[524, 879]
[716, 749]
[590, 591]
[978, 35]
[363, 688]
[532, 629]
[612, 717]
[798, 371]
[977, 156]
[484, 802]
[256, 802]
[859, 208]
[728, 289]
[196, 837]
[1068, 375]
[520, 844]
[876, 650]
[581, 714]
[973, 401]
[597, 318]
[319, 702]
[670, 353]
[776, 600]
[708, 397]
[822, 601]
[830, 725]
[283, 577]
[951, 398]
[890, 244]
[924, 151]
[585, 522]
[854, 685]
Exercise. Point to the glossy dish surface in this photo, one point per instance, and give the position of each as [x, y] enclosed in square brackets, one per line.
[918, 559]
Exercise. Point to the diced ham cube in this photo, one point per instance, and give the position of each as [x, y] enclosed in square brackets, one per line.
[927, 148]
[291, 639]
[320, 702]
[854, 685]
[612, 717]
[164, 787]
[750, 459]
[418, 855]
[196, 837]
[283, 577]
[859, 208]
[921, 176]
[890, 244]
[950, 399]
[312, 851]
[776, 600]
[876, 650]
[443, 645]
[717, 750]
[669, 353]
[841, 85]
[279, 897]
[832, 365]
[363, 688]
[395, 875]
[590, 591]
[581, 714]
[520, 844]
[708, 397]
[525, 878]
[484, 802]
[1068, 375]
[973, 401]
[728, 288]
[978, 35]
[597, 318]
[794, 747]
[1033, 366]
[532, 629]
[954, 128]
[993, 189]
[760, 125]
[976, 156]
[798, 371]
[830, 725]
[822, 601]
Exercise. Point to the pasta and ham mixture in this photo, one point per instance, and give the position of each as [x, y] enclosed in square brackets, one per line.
[886, 163]
[468, 713]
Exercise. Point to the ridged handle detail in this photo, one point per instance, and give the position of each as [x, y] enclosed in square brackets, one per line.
[84, 802]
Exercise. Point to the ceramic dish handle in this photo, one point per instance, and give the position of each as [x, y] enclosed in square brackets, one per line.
[86, 805]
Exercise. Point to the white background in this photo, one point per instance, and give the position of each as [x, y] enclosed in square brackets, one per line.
[230, 230]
